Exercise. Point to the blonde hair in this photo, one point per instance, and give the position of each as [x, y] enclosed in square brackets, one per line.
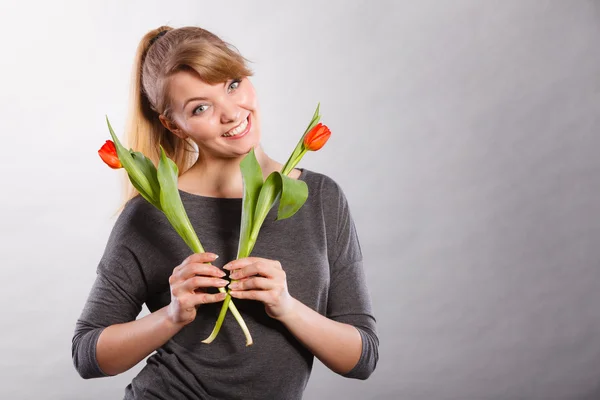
[161, 53]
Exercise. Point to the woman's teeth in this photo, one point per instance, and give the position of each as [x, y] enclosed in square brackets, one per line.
[241, 127]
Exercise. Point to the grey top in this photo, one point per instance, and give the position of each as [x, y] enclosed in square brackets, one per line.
[319, 250]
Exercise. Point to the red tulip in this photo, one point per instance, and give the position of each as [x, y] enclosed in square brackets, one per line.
[108, 154]
[317, 137]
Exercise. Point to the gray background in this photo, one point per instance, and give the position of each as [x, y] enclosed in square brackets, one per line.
[465, 135]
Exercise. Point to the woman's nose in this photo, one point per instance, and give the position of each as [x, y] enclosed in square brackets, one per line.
[229, 114]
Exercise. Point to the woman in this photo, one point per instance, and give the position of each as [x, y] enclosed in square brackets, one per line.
[302, 293]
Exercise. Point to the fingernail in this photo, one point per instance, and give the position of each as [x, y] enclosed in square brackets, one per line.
[234, 286]
[222, 274]
[234, 275]
[215, 256]
[226, 266]
[223, 282]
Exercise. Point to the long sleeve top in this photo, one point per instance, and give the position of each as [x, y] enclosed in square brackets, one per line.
[319, 250]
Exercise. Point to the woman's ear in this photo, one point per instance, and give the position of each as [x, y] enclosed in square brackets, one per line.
[172, 126]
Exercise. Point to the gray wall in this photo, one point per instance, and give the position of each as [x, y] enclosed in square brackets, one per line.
[465, 135]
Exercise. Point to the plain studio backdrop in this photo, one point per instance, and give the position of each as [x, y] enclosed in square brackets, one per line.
[466, 137]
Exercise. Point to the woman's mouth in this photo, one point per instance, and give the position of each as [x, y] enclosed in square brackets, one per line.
[240, 130]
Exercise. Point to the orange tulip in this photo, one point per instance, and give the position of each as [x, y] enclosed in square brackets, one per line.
[108, 154]
[317, 137]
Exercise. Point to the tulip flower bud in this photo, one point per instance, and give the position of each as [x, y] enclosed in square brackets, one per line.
[108, 153]
[317, 137]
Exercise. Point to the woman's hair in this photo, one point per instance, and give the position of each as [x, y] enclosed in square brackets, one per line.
[161, 53]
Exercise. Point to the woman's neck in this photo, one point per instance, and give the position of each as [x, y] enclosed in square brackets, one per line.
[222, 178]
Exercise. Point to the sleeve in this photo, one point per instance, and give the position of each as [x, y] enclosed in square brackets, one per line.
[349, 300]
[117, 296]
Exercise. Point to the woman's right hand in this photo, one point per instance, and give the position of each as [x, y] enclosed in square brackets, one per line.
[188, 285]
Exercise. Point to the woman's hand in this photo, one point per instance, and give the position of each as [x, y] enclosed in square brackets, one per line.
[188, 287]
[263, 280]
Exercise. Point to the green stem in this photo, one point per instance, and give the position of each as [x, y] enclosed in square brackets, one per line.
[291, 164]
[227, 302]
[288, 165]
[244, 250]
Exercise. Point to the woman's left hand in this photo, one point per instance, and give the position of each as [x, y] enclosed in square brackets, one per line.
[263, 280]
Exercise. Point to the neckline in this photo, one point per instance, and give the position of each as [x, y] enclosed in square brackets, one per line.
[232, 200]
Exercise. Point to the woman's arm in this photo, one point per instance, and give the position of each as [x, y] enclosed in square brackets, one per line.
[345, 338]
[108, 340]
[121, 346]
[337, 345]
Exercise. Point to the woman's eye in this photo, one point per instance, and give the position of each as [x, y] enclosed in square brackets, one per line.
[198, 109]
[235, 84]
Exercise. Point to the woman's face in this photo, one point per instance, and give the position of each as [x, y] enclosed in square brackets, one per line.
[222, 119]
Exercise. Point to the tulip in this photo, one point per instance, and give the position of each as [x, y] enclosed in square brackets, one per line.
[108, 154]
[317, 137]
[314, 138]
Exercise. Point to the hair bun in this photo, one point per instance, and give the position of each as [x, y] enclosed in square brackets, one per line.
[158, 36]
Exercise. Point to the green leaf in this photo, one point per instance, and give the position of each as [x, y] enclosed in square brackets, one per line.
[140, 170]
[294, 193]
[170, 201]
[145, 166]
[314, 121]
[266, 199]
[171, 204]
[253, 181]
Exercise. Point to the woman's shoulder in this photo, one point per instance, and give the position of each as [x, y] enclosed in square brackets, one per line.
[323, 184]
[138, 207]
[137, 214]
[326, 194]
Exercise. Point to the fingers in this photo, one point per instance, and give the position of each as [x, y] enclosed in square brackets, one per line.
[188, 301]
[191, 284]
[256, 283]
[195, 273]
[196, 264]
[206, 298]
[246, 261]
[193, 269]
[246, 268]
[199, 258]
[265, 296]
[257, 288]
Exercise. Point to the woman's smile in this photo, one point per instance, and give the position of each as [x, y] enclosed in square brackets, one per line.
[239, 131]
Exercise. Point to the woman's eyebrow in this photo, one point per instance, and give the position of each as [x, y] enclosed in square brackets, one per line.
[192, 99]
[198, 98]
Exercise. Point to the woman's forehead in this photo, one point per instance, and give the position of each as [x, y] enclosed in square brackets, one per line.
[184, 85]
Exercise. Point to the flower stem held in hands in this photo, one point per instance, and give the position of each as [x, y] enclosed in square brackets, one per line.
[259, 197]
[159, 188]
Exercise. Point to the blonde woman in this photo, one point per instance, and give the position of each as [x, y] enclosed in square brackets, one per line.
[302, 293]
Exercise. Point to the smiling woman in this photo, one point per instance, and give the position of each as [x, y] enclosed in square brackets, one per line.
[199, 87]
[222, 112]
[303, 292]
